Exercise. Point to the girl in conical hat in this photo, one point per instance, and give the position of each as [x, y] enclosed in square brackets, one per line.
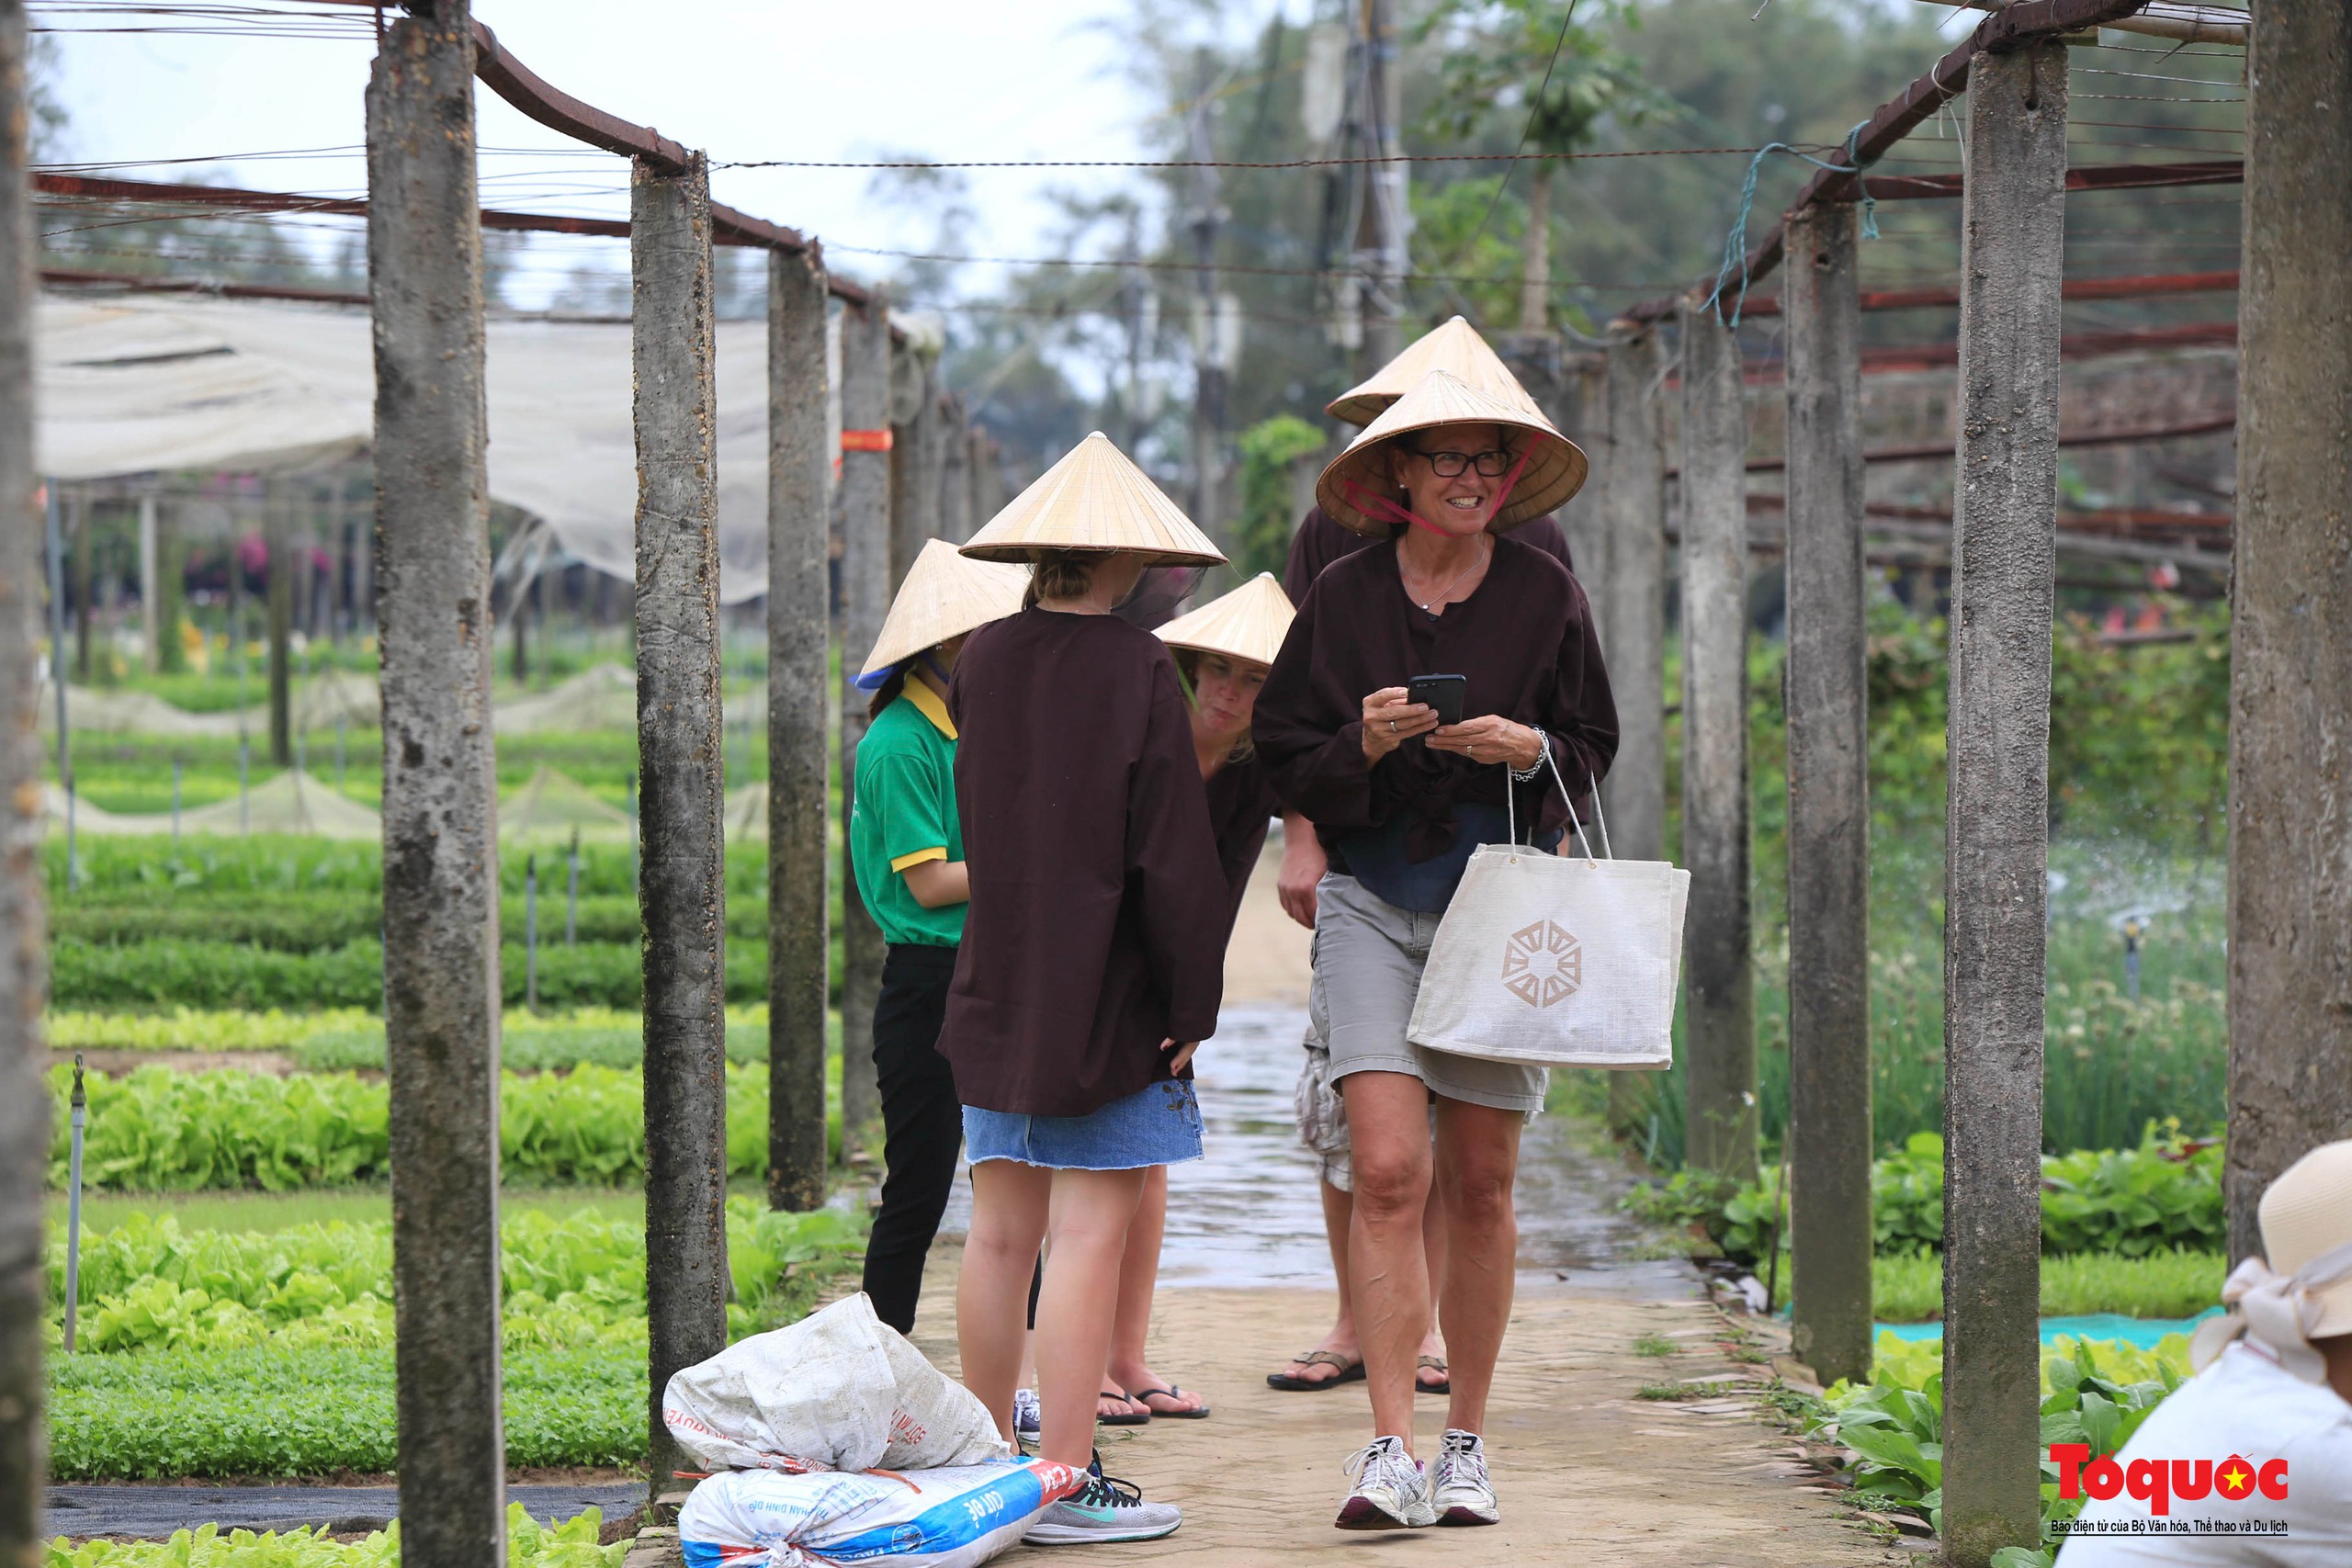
[1093, 951]
[1223, 650]
[1400, 799]
[907, 852]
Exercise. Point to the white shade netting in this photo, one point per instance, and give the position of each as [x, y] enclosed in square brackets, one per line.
[130, 385]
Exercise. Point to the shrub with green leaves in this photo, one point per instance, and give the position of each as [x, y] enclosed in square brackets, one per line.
[147, 1285]
[2094, 1392]
[157, 1130]
[571, 1544]
[2164, 1195]
[274, 1411]
[203, 974]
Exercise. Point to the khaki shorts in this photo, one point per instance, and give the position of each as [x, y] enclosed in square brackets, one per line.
[1368, 960]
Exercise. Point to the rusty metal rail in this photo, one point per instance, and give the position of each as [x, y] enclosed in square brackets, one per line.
[1906, 112]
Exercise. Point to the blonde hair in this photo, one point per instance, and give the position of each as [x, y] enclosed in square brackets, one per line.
[1059, 574]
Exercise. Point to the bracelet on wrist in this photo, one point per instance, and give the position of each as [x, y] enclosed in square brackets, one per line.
[1528, 775]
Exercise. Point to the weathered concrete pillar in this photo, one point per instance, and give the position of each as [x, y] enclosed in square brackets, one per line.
[441, 964]
[1631, 593]
[1720, 1025]
[2013, 218]
[151, 574]
[2290, 623]
[1632, 503]
[799, 481]
[24, 970]
[865, 593]
[988, 479]
[278, 535]
[682, 878]
[914, 460]
[1829, 845]
[955, 486]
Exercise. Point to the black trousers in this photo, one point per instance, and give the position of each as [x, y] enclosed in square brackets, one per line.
[922, 1123]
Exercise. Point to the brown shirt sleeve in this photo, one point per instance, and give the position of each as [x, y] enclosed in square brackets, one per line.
[1312, 748]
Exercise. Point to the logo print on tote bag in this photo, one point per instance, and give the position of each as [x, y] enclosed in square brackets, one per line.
[1543, 964]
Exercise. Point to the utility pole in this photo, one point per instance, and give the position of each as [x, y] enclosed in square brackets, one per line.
[2291, 621]
[441, 957]
[1210, 372]
[1718, 976]
[275, 535]
[865, 593]
[799, 481]
[1829, 785]
[1387, 215]
[24, 1099]
[1139, 312]
[682, 883]
[1997, 852]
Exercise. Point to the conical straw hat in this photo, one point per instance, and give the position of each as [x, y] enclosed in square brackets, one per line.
[1455, 348]
[1554, 471]
[944, 595]
[1248, 623]
[1094, 498]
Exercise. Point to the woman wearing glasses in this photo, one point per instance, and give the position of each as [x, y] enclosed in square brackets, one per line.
[1400, 800]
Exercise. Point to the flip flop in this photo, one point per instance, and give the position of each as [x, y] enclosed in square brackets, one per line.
[1132, 1419]
[1435, 1364]
[1349, 1371]
[1171, 1392]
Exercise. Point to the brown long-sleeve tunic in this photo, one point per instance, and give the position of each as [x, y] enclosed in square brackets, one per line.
[1524, 640]
[1095, 928]
[1241, 805]
[1322, 539]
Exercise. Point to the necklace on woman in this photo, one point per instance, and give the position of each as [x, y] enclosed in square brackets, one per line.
[1428, 607]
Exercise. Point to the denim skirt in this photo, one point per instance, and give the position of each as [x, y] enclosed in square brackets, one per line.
[1158, 1124]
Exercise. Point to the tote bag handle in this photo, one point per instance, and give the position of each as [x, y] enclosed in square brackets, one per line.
[1511, 804]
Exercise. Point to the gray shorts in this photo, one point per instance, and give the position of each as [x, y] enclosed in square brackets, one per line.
[1368, 959]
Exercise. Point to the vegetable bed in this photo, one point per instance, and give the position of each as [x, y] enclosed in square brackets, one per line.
[157, 1130]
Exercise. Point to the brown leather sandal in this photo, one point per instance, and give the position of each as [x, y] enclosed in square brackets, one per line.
[1349, 1371]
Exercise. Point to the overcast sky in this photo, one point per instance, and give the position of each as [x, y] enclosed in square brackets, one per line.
[742, 79]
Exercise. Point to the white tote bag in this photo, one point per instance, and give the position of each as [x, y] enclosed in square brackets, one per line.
[1556, 961]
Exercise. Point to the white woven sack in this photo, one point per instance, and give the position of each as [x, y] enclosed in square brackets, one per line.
[839, 1390]
[1556, 961]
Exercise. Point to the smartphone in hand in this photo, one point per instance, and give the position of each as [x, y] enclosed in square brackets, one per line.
[1441, 693]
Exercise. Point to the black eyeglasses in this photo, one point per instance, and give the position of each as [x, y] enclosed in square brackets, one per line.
[1491, 464]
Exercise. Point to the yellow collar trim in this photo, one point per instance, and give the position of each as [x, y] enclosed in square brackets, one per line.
[929, 703]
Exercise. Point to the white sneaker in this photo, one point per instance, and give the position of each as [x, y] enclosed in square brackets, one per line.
[1108, 1509]
[1391, 1492]
[1028, 1416]
[1460, 1493]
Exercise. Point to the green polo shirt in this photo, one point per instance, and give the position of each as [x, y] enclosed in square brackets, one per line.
[904, 813]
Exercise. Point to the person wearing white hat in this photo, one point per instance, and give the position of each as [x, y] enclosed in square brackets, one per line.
[1401, 795]
[1092, 960]
[907, 852]
[1456, 348]
[2252, 1455]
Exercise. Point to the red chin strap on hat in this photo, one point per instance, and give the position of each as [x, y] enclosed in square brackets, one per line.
[1387, 511]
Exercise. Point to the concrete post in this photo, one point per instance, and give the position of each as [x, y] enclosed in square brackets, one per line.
[1632, 501]
[955, 485]
[914, 463]
[682, 878]
[24, 980]
[866, 577]
[2013, 217]
[441, 960]
[1631, 593]
[799, 476]
[1720, 1026]
[150, 579]
[277, 534]
[2290, 626]
[1829, 957]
